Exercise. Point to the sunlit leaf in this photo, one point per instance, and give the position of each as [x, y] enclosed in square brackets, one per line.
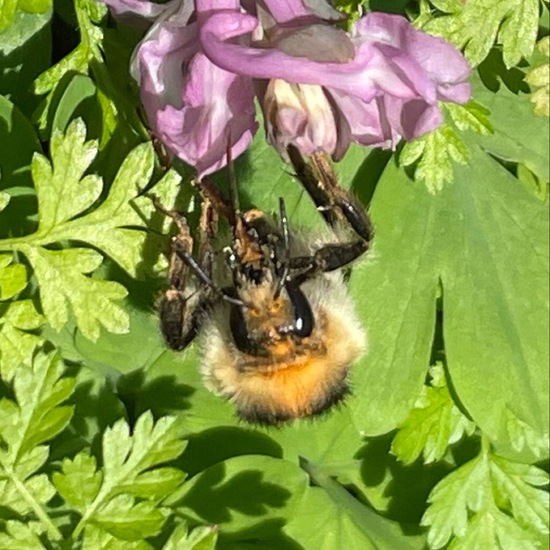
[476, 26]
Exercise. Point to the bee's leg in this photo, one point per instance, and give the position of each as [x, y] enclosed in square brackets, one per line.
[181, 311]
[334, 202]
[328, 258]
[338, 207]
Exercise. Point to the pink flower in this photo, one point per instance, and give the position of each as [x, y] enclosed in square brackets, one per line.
[320, 88]
[194, 107]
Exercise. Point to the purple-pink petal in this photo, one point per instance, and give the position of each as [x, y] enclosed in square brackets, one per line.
[197, 77]
[368, 123]
[361, 76]
[127, 10]
[285, 11]
[195, 108]
[202, 129]
[442, 63]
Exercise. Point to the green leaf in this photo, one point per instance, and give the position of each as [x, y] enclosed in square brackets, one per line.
[200, 538]
[345, 519]
[482, 487]
[128, 520]
[127, 463]
[495, 319]
[476, 26]
[434, 423]
[516, 485]
[36, 416]
[156, 483]
[539, 77]
[17, 346]
[35, 6]
[76, 61]
[63, 191]
[22, 536]
[13, 277]
[65, 196]
[524, 439]
[321, 524]
[62, 194]
[112, 355]
[472, 116]
[248, 492]
[492, 529]
[79, 481]
[4, 200]
[25, 496]
[25, 51]
[76, 100]
[60, 275]
[466, 489]
[106, 227]
[87, 51]
[98, 539]
[519, 135]
[126, 457]
[435, 151]
[7, 13]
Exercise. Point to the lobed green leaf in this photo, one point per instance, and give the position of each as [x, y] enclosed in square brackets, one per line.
[125, 457]
[494, 530]
[17, 346]
[200, 538]
[488, 487]
[433, 424]
[476, 26]
[467, 489]
[78, 482]
[38, 415]
[13, 277]
[22, 536]
[61, 279]
[123, 518]
[61, 187]
[98, 539]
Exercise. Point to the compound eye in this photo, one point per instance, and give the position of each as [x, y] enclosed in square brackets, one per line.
[301, 309]
[239, 331]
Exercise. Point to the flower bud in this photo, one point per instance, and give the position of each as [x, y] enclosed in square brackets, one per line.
[299, 115]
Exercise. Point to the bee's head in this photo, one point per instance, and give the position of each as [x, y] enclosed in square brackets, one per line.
[270, 316]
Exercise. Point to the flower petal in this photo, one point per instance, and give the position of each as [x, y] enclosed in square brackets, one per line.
[300, 115]
[360, 76]
[127, 9]
[195, 108]
[367, 120]
[438, 60]
[284, 11]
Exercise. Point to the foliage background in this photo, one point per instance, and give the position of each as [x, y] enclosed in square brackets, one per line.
[109, 440]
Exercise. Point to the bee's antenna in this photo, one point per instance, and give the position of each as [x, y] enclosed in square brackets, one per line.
[283, 220]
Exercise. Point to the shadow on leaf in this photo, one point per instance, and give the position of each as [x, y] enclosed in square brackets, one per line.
[163, 395]
[267, 535]
[213, 497]
[217, 444]
[408, 486]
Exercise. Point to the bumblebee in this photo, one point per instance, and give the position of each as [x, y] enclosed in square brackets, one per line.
[277, 327]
